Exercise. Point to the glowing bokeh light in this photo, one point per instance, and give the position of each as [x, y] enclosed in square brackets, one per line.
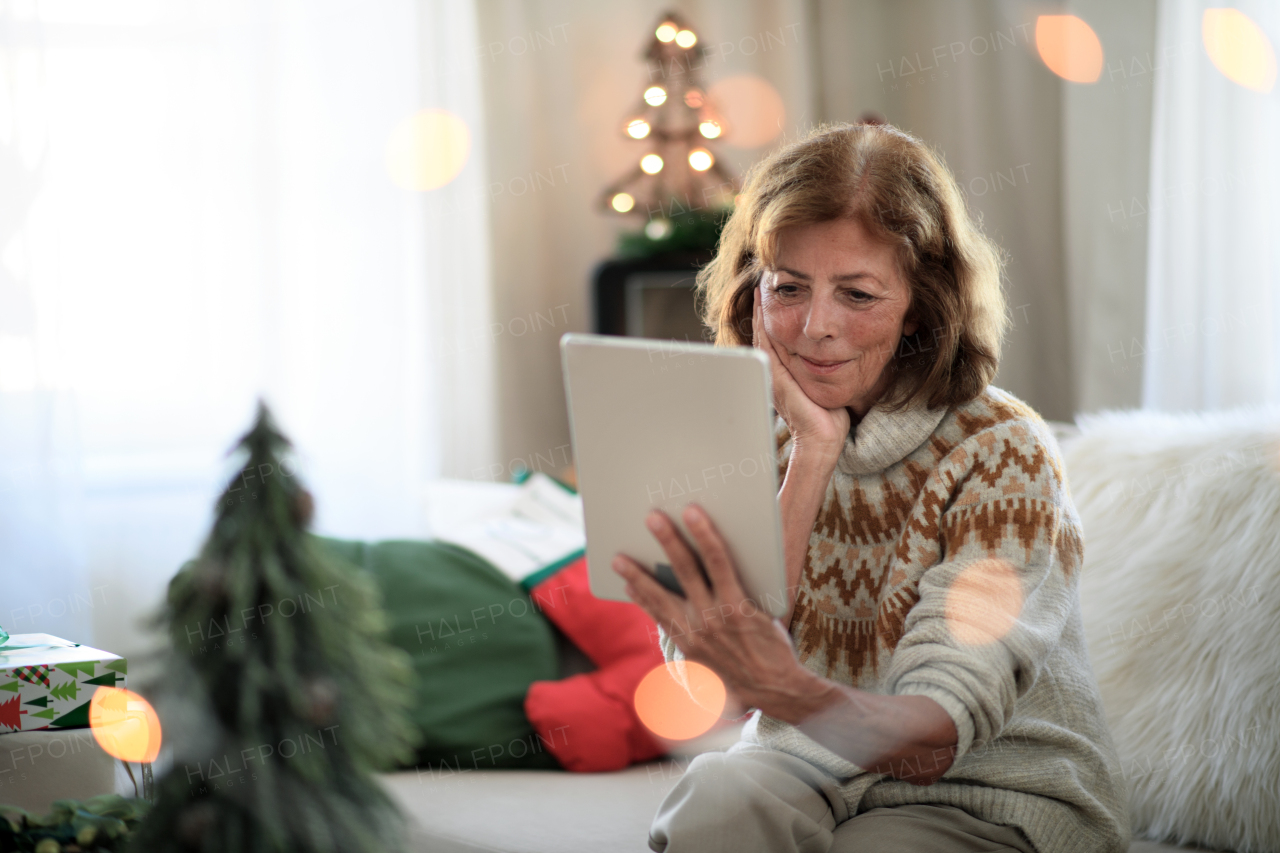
[693, 99]
[669, 710]
[637, 128]
[428, 150]
[124, 725]
[752, 110]
[1239, 49]
[686, 38]
[666, 32]
[657, 229]
[655, 96]
[622, 202]
[700, 159]
[651, 163]
[984, 602]
[709, 129]
[1069, 47]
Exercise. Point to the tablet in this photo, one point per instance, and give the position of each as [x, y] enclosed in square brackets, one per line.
[662, 424]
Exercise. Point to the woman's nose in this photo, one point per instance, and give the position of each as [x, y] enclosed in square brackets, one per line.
[821, 320]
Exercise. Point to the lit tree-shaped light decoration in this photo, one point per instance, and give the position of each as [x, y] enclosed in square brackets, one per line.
[680, 171]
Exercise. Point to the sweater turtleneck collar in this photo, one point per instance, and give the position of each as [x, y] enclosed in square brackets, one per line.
[883, 438]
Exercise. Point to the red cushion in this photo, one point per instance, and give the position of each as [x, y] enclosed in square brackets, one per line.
[588, 722]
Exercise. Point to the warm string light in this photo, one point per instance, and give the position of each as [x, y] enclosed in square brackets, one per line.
[750, 106]
[1239, 49]
[700, 159]
[709, 129]
[679, 700]
[655, 96]
[651, 163]
[666, 32]
[638, 128]
[1069, 48]
[984, 602]
[686, 39]
[623, 202]
[427, 150]
[1236, 45]
[124, 725]
[657, 229]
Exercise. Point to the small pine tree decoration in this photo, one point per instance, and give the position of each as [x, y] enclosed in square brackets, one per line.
[283, 696]
[679, 184]
[65, 691]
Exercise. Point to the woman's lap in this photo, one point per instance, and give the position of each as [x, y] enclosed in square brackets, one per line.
[926, 828]
[754, 798]
[748, 798]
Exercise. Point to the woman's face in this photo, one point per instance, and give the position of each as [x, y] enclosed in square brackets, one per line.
[836, 307]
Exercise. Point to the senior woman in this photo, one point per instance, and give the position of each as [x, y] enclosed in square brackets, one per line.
[932, 691]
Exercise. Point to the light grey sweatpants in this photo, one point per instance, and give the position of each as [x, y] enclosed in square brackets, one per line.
[752, 798]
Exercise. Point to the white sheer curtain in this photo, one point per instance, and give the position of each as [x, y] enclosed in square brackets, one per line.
[1213, 284]
[195, 211]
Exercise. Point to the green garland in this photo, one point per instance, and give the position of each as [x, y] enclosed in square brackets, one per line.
[695, 231]
[97, 825]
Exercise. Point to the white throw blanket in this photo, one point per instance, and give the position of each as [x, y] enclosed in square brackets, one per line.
[1181, 600]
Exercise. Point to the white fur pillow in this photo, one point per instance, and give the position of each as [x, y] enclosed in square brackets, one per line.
[1181, 599]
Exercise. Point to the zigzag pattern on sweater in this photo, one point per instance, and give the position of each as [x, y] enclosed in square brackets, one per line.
[980, 479]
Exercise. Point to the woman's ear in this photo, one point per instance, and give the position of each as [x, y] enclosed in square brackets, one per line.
[909, 322]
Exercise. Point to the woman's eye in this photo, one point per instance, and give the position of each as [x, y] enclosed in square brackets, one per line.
[786, 289]
[859, 296]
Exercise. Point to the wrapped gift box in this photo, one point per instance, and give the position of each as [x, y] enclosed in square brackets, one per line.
[46, 683]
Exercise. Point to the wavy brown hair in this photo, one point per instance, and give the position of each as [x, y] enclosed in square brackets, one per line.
[902, 193]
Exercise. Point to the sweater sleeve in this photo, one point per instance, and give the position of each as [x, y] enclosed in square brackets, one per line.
[993, 608]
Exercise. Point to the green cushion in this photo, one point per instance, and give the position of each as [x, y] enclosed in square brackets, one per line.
[477, 643]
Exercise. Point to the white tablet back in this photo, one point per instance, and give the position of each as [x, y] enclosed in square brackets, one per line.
[661, 424]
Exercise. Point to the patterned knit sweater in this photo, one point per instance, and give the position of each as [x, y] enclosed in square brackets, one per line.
[944, 563]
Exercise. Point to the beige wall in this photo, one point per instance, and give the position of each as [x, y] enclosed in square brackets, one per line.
[1106, 169]
[1037, 157]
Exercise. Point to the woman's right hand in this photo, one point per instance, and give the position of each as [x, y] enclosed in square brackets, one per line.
[812, 428]
[817, 438]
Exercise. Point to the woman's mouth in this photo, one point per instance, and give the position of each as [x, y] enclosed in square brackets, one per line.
[821, 368]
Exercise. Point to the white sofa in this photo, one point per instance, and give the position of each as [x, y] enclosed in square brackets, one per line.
[540, 811]
[532, 811]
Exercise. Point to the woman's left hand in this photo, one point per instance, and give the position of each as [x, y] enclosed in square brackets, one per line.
[718, 626]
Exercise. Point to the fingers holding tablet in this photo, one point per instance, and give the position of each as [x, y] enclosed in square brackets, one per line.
[642, 588]
[684, 561]
[720, 568]
[690, 585]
